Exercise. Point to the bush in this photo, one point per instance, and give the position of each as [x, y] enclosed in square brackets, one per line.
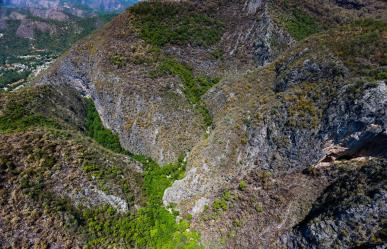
[242, 185]
[90, 168]
[219, 204]
[152, 226]
[364, 52]
[259, 208]
[382, 75]
[303, 113]
[118, 61]
[298, 23]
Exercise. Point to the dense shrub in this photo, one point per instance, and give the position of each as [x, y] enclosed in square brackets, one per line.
[152, 226]
[96, 130]
[11, 76]
[297, 22]
[19, 113]
[160, 23]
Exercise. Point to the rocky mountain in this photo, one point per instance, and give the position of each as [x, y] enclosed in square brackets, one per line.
[205, 124]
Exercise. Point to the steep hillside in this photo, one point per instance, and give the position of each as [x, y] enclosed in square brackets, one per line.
[268, 119]
[148, 70]
[50, 173]
[67, 183]
[318, 103]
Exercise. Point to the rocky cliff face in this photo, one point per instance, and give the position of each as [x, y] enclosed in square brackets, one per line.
[302, 110]
[299, 132]
[354, 204]
[152, 117]
[279, 108]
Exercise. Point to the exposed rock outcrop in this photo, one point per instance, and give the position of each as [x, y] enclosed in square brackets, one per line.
[356, 4]
[252, 33]
[154, 122]
[350, 213]
[288, 135]
[151, 116]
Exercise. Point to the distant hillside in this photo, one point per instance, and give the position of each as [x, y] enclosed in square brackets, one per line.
[96, 5]
[33, 33]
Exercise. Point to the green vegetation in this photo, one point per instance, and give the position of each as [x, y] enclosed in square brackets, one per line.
[382, 75]
[96, 130]
[221, 204]
[364, 52]
[118, 61]
[303, 112]
[19, 112]
[21, 121]
[265, 177]
[298, 23]
[157, 179]
[242, 185]
[194, 87]
[33, 183]
[160, 23]
[11, 44]
[11, 76]
[259, 207]
[69, 32]
[152, 226]
[106, 175]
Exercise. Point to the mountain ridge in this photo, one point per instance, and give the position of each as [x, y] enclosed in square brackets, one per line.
[268, 118]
